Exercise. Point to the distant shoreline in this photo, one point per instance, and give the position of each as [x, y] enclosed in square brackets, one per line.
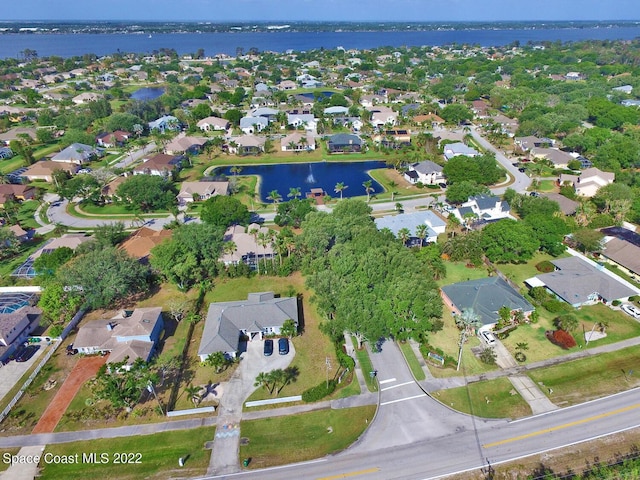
[35, 27]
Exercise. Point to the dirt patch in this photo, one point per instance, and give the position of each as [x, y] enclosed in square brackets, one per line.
[85, 369]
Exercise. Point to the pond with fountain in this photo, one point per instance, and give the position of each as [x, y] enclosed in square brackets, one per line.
[318, 175]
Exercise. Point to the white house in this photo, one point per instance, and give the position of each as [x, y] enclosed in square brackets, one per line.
[483, 207]
[589, 181]
[459, 149]
[213, 124]
[426, 172]
[253, 124]
[305, 120]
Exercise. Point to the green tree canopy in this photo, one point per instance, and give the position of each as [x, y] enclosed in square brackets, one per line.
[292, 213]
[509, 241]
[103, 277]
[148, 192]
[191, 256]
[225, 211]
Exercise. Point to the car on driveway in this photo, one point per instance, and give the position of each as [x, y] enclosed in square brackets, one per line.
[631, 310]
[283, 346]
[489, 337]
[26, 353]
[268, 347]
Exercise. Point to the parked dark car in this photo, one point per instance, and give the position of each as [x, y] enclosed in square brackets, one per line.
[26, 353]
[283, 346]
[268, 347]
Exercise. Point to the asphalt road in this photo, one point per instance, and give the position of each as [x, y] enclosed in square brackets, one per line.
[469, 446]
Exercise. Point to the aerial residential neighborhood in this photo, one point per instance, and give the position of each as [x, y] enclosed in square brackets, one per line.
[196, 248]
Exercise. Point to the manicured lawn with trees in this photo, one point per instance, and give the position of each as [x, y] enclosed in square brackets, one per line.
[296, 438]
[26, 214]
[447, 340]
[620, 327]
[489, 399]
[158, 455]
[588, 378]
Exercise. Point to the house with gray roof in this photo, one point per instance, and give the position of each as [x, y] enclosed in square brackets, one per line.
[129, 335]
[261, 314]
[253, 124]
[459, 149]
[579, 282]
[394, 223]
[76, 153]
[344, 142]
[426, 172]
[485, 296]
[15, 327]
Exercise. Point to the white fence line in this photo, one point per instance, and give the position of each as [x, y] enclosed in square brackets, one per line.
[272, 401]
[191, 411]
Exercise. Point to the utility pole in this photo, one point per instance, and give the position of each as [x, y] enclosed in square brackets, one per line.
[153, 390]
[463, 337]
[327, 362]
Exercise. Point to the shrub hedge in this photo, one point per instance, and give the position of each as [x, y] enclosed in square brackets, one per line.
[319, 391]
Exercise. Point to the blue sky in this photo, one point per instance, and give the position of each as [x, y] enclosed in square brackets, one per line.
[313, 10]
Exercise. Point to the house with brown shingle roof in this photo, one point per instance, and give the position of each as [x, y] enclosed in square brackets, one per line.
[140, 243]
[160, 164]
[43, 170]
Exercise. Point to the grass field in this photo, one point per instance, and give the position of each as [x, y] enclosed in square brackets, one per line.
[585, 379]
[157, 454]
[447, 340]
[362, 355]
[620, 327]
[459, 272]
[283, 440]
[26, 214]
[518, 273]
[412, 361]
[489, 399]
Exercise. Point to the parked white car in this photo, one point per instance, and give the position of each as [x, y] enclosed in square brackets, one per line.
[489, 337]
[631, 310]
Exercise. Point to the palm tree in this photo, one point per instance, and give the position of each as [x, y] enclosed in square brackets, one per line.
[229, 247]
[339, 188]
[292, 146]
[264, 239]
[194, 394]
[421, 233]
[254, 232]
[294, 192]
[403, 235]
[262, 380]
[275, 197]
[368, 188]
[235, 170]
[393, 185]
[467, 321]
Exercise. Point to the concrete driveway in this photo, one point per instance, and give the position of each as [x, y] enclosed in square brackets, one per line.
[226, 446]
[12, 372]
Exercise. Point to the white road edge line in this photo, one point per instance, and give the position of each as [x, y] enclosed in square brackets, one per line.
[280, 467]
[389, 380]
[396, 386]
[540, 452]
[403, 399]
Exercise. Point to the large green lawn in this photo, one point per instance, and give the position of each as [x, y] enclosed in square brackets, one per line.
[585, 379]
[296, 438]
[489, 399]
[620, 327]
[149, 456]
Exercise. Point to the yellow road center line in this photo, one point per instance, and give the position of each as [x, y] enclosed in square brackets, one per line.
[560, 427]
[351, 474]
